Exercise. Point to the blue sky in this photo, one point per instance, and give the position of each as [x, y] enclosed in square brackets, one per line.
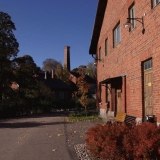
[44, 27]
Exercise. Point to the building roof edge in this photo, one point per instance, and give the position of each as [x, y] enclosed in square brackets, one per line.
[97, 25]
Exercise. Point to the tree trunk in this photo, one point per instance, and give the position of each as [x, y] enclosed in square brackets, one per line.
[85, 110]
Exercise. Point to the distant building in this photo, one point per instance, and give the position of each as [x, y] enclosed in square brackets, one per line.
[61, 89]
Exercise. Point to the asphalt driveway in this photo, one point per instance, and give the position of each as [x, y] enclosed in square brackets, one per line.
[46, 137]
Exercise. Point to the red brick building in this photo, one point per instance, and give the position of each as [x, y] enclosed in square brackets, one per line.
[128, 57]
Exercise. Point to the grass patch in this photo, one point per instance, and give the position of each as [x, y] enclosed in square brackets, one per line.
[74, 118]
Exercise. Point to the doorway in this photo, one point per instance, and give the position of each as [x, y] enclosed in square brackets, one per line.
[119, 100]
[148, 88]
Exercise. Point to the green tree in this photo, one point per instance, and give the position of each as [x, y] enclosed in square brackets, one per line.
[33, 94]
[24, 68]
[75, 70]
[42, 96]
[8, 51]
[90, 70]
[59, 71]
[63, 74]
[50, 64]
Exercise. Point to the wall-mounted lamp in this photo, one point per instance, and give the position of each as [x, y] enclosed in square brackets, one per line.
[128, 24]
[96, 59]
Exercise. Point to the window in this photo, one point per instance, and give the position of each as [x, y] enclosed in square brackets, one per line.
[147, 65]
[155, 2]
[116, 33]
[100, 53]
[106, 46]
[132, 15]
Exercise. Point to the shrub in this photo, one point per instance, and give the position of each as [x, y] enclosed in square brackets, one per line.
[142, 141]
[123, 142]
[106, 141]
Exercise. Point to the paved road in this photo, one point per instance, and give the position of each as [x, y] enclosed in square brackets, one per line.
[41, 138]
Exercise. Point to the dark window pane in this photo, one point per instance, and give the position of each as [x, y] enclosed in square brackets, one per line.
[118, 34]
[106, 46]
[147, 65]
[151, 59]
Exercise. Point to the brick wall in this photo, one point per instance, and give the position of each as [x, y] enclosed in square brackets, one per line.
[73, 78]
[134, 48]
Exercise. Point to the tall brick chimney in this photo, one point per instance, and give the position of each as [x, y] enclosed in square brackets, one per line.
[67, 57]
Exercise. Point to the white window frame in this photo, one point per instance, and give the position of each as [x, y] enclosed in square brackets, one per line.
[132, 15]
[117, 34]
[155, 2]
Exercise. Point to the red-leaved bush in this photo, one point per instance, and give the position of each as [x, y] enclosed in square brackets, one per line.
[142, 141]
[124, 142]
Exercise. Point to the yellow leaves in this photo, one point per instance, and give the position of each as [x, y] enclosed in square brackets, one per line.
[53, 150]
[59, 135]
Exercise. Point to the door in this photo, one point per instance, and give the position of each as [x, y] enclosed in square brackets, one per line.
[148, 89]
[119, 100]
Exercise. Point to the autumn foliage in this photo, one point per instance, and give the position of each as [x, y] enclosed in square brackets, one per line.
[83, 88]
[124, 142]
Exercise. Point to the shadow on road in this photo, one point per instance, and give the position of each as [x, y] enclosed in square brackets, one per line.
[8, 123]
[27, 124]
